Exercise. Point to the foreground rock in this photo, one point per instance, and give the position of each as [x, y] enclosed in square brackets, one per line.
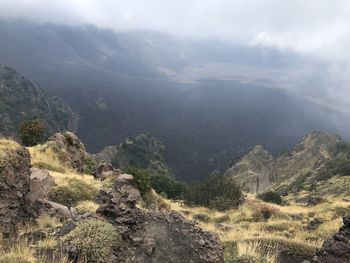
[154, 236]
[337, 248]
[40, 185]
[14, 185]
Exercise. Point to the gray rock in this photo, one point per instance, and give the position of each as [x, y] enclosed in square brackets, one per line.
[14, 186]
[40, 185]
[337, 248]
[152, 236]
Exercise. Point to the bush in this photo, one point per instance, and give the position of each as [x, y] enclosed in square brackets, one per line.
[264, 212]
[154, 201]
[95, 241]
[271, 197]
[167, 185]
[75, 191]
[141, 178]
[216, 192]
[90, 165]
[32, 132]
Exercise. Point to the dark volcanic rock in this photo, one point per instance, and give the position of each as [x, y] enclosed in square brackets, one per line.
[152, 235]
[14, 185]
[337, 248]
[104, 170]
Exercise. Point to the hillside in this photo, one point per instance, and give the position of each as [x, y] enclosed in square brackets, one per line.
[259, 171]
[60, 212]
[142, 151]
[22, 100]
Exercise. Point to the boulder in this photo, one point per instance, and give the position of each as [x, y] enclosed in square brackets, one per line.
[337, 248]
[153, 235]
[14, 185]
[104, 170]
[70, 150]
[40, 185]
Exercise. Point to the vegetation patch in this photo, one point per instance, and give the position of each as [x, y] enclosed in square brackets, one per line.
[73, 192]
[95, 241]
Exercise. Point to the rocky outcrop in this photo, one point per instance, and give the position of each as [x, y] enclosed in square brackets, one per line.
[142, 151]
[104, 170]
[258, 170]
[154, 236]
[40, 185]
[337, 248]
[14, 185]
[69, 149]
[254, 173]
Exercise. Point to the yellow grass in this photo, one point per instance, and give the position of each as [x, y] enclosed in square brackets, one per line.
[287, 224]
[253, 250]
[86, 206]
[45, 157]
[62, 179]
[19, 253]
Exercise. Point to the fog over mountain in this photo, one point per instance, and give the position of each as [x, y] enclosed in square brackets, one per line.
[208, 78]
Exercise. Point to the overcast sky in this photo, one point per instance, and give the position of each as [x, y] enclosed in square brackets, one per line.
[317, 27]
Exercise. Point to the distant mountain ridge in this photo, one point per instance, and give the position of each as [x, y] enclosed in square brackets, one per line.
[22, 100]
[259, 171]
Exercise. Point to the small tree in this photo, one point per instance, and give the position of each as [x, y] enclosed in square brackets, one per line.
[170, 187]
[32, 132]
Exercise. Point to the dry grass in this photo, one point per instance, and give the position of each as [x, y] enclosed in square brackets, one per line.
[62, 179]
[285, 226]
[86, 206]
[44, 157]
[20, 253]
[7, 148]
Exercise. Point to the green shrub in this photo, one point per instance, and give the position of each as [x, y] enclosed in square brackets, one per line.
[75, 191]
[32, 132]
[95, 241]
[141, 178]
[68, 138]
[90, 165]
[271, 197]
[165, 184]
[216, 192]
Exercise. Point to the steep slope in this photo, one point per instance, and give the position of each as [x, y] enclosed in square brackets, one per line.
[258, 170]
[22, 100]
[141, 151]
[255, 171]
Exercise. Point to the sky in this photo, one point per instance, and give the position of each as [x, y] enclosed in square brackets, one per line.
[316, 27]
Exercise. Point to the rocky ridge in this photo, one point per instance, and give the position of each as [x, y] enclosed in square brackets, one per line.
[258, 170]
[22, 100]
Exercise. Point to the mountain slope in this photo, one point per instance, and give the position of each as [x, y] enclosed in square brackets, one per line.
[22, 100]
[141, 151]
[258, 170]
[123, 84]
